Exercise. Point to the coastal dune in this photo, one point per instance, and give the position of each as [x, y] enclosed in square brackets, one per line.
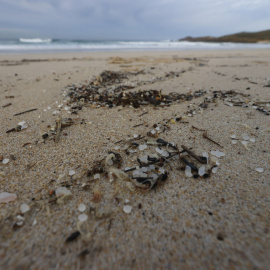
[72, 207]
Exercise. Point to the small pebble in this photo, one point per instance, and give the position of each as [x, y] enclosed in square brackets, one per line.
[21, 123]
[154, 176]
[245, 143]
[82, 207]
[205, 154]
[5, 161]
[111, 178]
[71, 172]
[144, 169]
[6, 197]
[144, 159]
[143, 147]
[161, 170]
[60, 178]
[217, 153]
[260, 170]
[152, 167]
[97, 176]
[188, 171]
[127, 209]
[62, 191]
[83, 217]
[202, 171]
[20, 220]
[165, 153]
[24, 208]
[139, 173]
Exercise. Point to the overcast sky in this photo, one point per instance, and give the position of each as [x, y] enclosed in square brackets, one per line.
[130, 19]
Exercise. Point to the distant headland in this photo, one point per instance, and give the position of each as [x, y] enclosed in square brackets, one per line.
[243, 37]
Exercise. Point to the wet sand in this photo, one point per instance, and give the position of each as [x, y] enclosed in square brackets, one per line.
[218, 222]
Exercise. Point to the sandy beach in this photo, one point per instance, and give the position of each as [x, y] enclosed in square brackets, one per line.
[78, 206]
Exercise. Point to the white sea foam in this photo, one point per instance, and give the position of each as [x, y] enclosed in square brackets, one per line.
[43, 45]
[35, 40]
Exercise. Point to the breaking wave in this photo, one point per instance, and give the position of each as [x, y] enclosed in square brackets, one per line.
[39, 45]
[35, 40]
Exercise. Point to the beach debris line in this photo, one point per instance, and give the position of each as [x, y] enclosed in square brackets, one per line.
[151, 168]
[262, 106]
[139, 178]
[108, 77]
[134, 99]
[103, 91]
[233, 98]
[106, 90]
[156, 158]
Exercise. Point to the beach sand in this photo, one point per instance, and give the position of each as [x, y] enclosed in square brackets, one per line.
[219, 222]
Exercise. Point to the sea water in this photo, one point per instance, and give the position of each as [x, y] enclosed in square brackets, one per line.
[38, 45]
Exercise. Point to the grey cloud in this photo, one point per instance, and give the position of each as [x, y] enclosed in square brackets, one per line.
[159, 19]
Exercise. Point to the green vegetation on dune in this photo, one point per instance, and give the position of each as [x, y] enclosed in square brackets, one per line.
[243, 37]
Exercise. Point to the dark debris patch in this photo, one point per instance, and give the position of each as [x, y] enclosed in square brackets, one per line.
[107, 90]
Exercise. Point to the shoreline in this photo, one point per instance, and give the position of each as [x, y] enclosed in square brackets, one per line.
[182, 53]
[118, 46]
[224, 216]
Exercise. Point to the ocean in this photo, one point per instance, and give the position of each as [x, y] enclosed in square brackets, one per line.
[38, 45]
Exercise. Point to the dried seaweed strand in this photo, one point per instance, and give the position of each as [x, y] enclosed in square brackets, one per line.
[58, 129]
[150, 163]
[194, 155]
[4, 106]
[25, 112]
[211, 140]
